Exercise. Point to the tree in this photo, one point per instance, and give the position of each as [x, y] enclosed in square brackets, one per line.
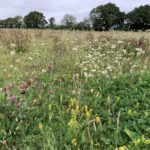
[18, 22]
[69, 21]
[52, 22]
[35, 20]
[106, 16]
[139, 18]
[84, 25]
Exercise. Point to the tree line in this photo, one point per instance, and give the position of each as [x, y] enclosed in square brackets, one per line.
[101, 18]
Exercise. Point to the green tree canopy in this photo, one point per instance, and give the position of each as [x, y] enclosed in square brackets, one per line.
[139, 18]
[84, 25]
[106, 16]
[35, 20]
[16, 22]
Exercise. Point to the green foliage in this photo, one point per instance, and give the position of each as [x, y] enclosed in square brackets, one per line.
[139, 18]
[49, 115]
[16, 22]
[106, 16]
[35, 20]
[84, 25]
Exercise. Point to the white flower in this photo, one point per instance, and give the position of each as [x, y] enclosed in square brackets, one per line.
[85, 74]
[43, 70]
[18, 60]
[12, 53]
[109, 68]
[113, 46]
[138, 49]
[124, 51]
[120, 42]
[15, 68]
[93, 70]
[30, 58]
[13, 45]
[1, 89]
[105, 72]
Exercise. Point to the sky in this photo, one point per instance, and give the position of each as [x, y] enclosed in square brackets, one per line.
[58, 8]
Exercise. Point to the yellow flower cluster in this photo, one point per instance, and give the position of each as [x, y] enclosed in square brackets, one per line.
[88, 112]
[142, 140]
[74, 109]
[74, 142]
[73, 123]
[122, 148]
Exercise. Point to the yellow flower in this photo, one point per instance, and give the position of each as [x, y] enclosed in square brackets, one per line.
[88, 115]
[50, 106]
[136, 142]
[28, 148]
[129, 112]
[143, 138]
[86, 108]
[73, 123]
[74, 142]
[147, 141]
[40, 126]
[122, 148]
[73, 101]
[97, 120]
[146, 114]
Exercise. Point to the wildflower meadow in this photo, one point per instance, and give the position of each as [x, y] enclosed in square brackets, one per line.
[71, 90]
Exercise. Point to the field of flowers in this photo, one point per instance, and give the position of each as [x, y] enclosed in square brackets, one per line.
[71, 90]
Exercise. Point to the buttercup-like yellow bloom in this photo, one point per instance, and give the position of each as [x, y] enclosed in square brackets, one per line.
[41, 126]
[136, 142]
[73, 101]
[147, 141]
[86, 108]
[122, 148]
[129, 112]
[73, 123]
[88, 115]
[97, 120]
[74, 142]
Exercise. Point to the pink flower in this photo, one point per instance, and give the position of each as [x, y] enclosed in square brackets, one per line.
[18, 105]
[13, 98]
[23, 86]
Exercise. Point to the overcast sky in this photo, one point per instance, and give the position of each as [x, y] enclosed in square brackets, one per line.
[57, 8]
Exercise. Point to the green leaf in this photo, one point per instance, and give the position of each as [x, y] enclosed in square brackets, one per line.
[131, 134]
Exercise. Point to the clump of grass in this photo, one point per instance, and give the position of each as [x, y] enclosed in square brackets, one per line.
[17, 40]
